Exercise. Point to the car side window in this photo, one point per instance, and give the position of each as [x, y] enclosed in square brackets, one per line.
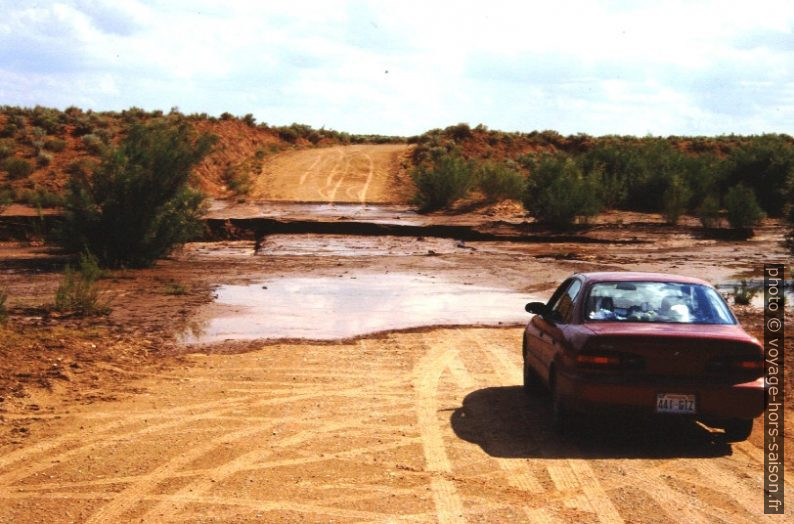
[562, 308]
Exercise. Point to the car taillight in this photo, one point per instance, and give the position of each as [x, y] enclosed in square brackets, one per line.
[736, 363]
[597, 360]
[622, 361]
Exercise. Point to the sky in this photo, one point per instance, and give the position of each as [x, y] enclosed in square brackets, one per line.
[404, 67]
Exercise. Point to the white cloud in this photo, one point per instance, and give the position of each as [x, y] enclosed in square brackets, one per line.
[606, 67]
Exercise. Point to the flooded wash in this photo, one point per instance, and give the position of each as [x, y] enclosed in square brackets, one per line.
[327, 308]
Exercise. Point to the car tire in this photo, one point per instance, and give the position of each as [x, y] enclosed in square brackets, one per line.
[531, 379]
[737, 430]
[560, 414]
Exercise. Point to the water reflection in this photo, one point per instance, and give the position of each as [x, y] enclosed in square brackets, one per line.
[324, 308]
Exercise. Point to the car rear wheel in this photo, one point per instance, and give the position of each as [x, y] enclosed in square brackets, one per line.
[560, 414]
[737, 430]
[531, 379]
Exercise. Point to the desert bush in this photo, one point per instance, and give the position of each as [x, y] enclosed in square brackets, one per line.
[288, 134]
[137, 205]
[175, 288]
[46, 119]
[675, 200]
[17, 168]
[43, 159]
[3, 307]
[5, 198]
[744, 293]
[237, 179]
[459, 132]
[56, 145]
[249, 120]
[93, 144]
[709, 212]
[448, 179]
[742, 207]
[78, 292]
[39, 198]
[7, 148]
[558, 191]
[81, 167]
[499, 181]
[765, 164]
[227, 116]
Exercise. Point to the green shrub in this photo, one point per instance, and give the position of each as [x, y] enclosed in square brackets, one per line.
[449, 179]
[39, 198]
[790, 232]
[93, 144]
[44, 159]
[743, 294]
[675, 200]
[137, 205]
[249, 120]
[3, 307]
[742, 207]
[17, 167]
[709, 212]
[765, 164]
[558, 192]
[175, 288]
[56, 145]
[78, 292]
[7, 148]
[499, 181]
[237, 179]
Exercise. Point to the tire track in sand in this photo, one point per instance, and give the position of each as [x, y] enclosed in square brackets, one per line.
[570, 474]
[426, 376]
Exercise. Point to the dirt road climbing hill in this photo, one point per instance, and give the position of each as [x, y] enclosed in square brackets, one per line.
[428, 426]
[361, 174]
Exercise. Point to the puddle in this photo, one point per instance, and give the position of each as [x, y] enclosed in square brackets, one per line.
[381, 214]
[757, 285]
[350, 246]
[327, 308]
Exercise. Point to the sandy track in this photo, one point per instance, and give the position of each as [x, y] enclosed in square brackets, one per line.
[427, 426]
[360, 174]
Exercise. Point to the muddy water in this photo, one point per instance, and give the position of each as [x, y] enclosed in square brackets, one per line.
[326, 308]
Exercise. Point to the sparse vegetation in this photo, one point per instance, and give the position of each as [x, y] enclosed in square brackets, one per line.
[56, 145]
[744, 293]
[499, 181]
[675, 200]
[3, 307]
[137, 205]
[558, 191]
[17, 167]
[78, 292]
[709, 212]
[448, 179]
[175, 288]
[742, 207]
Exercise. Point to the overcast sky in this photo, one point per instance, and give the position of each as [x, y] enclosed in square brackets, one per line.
[403, 67]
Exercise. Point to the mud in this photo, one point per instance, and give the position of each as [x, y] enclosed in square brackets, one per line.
[115, 419]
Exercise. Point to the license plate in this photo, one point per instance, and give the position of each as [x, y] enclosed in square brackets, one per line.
[675, 403]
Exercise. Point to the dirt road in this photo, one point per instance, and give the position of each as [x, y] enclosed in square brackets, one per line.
[425, 426]
[361, 174]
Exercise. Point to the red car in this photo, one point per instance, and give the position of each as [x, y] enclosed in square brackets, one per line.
[647, 342]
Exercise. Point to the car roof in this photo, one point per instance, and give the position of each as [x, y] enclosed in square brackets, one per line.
[638, 276]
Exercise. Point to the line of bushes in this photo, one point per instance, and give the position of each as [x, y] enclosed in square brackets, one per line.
[738, 184]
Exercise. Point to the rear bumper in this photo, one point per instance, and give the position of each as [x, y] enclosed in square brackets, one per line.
[712, 401]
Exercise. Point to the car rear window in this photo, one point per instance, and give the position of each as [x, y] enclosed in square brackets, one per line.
[666, 302]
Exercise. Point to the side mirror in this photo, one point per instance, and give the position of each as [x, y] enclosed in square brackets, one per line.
[538, 308]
